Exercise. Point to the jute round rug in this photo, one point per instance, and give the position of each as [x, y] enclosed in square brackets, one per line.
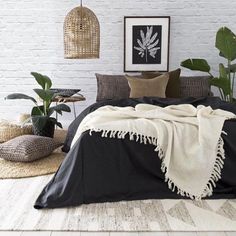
[45, 166]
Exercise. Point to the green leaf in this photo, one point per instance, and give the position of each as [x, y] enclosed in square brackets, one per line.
[20, 96]
[223, 72]
[226, 43]
[221, 54]
[59, 109]
[40, 121]
[222, 83]
[233, 68]
[45, 95]
[196, 64]
[56, 122]
[37, 111]
[43, 80]
[59, 125]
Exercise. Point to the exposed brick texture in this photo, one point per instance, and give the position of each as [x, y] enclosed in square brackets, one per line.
[31, 39]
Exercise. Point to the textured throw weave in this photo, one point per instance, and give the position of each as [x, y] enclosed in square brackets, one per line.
[196, 86]
[27, 148]
[187, 139]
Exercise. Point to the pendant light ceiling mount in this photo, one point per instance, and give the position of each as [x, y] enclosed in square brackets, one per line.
[81, 34]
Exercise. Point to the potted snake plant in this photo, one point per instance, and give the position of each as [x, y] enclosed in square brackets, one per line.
[41, 114]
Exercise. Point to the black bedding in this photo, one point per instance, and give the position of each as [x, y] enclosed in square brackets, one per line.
[100, 169]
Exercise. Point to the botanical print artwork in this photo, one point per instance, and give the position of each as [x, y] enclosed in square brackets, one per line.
[147, 44]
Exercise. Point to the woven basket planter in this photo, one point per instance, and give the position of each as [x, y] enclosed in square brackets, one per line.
[9, 131]
[81, 34]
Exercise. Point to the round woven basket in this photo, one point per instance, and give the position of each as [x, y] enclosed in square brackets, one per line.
[9, 131]
[81, 34]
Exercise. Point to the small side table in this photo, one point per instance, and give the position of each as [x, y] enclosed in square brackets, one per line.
[73, 100]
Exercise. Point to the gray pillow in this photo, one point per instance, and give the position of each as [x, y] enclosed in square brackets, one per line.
[112, 87]
[27, 148]
[195, 86]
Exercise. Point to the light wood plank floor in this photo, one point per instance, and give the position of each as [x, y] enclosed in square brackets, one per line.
[49, 233]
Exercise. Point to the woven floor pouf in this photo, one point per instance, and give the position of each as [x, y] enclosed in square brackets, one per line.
[9, 130]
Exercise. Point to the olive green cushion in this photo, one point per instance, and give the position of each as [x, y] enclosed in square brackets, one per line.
[173, 87]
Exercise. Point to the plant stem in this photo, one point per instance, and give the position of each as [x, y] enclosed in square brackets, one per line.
[45, 103]
[233, 84]
[146, 55]
[221, 94]
[211, 74]
[229, 77]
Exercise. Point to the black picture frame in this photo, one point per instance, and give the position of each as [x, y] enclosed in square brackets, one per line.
[146, 43]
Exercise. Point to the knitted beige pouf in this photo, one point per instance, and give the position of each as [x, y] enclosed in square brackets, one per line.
[10, 130]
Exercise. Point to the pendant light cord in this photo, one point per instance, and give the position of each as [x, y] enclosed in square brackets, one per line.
[81, 15]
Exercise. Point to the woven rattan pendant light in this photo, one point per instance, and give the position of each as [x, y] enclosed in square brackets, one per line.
[81, 34]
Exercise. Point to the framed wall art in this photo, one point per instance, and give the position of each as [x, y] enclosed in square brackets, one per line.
[146, 43]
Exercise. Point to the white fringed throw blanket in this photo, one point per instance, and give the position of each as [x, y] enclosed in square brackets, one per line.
[187, 139]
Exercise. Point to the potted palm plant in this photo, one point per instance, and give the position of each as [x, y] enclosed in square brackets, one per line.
[226, 44]
[41, 115]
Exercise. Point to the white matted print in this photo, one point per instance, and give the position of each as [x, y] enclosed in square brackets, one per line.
[146, 43]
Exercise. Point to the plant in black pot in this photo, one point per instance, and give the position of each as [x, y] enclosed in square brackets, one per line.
[41, 115]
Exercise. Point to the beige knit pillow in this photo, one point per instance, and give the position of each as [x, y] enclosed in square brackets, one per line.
[27, 148]
[155, 87]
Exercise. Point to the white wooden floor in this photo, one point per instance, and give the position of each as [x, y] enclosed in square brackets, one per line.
[48, 233]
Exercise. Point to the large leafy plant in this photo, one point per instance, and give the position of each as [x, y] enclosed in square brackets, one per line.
[42, 112]
[226, 44]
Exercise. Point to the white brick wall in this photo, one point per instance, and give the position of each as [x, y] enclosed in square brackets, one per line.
[31, 39]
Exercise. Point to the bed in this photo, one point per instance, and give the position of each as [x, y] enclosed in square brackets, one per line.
[99, 169]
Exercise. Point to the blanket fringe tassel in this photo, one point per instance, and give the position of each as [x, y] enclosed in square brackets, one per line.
[215, 175]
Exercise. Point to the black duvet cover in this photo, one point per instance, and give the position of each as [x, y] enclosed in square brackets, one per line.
[100, 169]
